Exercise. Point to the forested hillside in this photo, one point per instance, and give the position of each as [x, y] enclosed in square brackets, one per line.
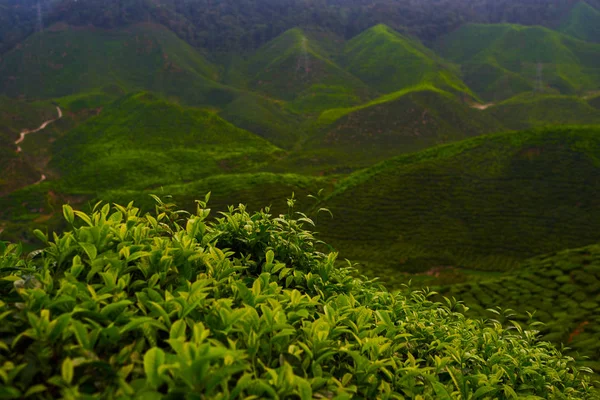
[243, 24]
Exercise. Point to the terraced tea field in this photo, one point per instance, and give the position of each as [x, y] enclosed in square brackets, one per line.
[562, 290]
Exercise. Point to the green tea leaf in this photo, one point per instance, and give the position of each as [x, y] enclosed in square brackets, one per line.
[40, 235]
[35, 389]
[482, 391]
[178, 329]
[153, 359]
[68, 213]
[58, 326]
[67, 370]
[90, 250]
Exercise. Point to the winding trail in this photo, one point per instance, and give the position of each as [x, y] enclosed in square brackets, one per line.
[482, 106]
[28, 131]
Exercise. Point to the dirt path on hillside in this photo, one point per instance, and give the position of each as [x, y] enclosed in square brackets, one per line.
[28, 131]
[482, 106]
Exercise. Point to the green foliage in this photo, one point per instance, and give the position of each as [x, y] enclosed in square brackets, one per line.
[530, 110]
[252, 189]
[141, 141]
[499, 61]
[561, 290]
[168, 305]
[582, 22]
[389, 61]
[483, 203]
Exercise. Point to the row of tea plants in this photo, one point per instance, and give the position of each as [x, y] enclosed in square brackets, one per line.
[174, 305]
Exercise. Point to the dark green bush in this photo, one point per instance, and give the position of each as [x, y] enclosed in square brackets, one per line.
[169, 305]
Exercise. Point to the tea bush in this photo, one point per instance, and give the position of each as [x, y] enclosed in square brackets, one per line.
[172, 305]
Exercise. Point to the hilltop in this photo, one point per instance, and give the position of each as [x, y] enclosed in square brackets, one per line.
[142, 141]
[390, 61]
[561, 289]
[582, 22]
[500, 61]
[68, 60]
[485, 203]
[295, 68]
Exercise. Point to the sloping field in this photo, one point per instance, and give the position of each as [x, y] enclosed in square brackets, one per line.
[141, 141]
[397, 123]
[562, 289]
[529, 110]
[484, 203]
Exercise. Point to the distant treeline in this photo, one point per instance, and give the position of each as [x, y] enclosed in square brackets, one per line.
[225, 25]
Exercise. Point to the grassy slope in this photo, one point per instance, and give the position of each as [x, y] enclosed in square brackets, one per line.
[294, 68]
[499, 61]
[563, 289]
[16, 116]
[529, 110]
[141, 141]
[397, 123]
[583, 22]
[389, 61]
[142, 57]
[484, 203]
[265, 117]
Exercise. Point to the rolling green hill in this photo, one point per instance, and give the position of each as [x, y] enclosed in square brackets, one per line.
[294, 68]
[562, 288]
[583, 22]
[67, 60]
[389, 61]
[484, 203]
[397, 123]
[141, 141]
[500, 61]
[530, 110]
[265, 117]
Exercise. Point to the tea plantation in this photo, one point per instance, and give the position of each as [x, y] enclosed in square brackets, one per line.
[563, 290]
[169, 305]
